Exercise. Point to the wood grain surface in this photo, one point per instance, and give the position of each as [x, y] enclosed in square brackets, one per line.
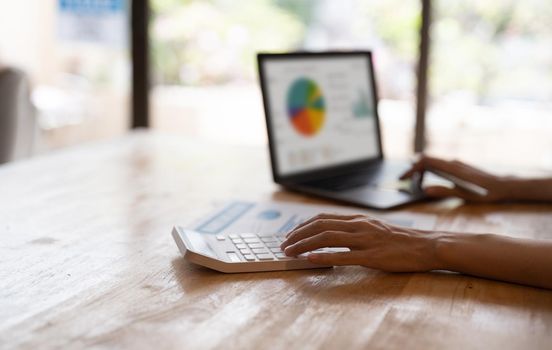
[87, 261]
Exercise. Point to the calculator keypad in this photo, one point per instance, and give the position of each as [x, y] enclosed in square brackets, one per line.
[255, 247]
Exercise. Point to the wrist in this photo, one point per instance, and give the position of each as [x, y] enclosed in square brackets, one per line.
[527, 189]
[513, 188]
[445, 244]
[435, 244]
[462, 252]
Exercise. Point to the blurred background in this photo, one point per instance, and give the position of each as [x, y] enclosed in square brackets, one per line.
[490, 71]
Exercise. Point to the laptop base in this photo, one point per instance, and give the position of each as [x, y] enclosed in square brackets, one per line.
[382, 189]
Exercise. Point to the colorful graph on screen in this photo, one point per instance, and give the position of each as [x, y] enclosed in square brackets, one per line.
[306, 106]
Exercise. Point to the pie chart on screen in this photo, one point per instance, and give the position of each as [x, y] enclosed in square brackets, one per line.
[306, 107]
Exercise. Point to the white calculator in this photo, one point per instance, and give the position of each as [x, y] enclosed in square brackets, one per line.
[240, 252]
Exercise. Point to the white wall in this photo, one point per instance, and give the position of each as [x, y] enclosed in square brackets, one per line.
[27, 34]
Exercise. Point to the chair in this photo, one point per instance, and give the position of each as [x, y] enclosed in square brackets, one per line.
[17, 116]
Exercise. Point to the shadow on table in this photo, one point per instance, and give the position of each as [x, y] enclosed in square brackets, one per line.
[193, 277]
[444, 207]
[355, 284]
[437, 286]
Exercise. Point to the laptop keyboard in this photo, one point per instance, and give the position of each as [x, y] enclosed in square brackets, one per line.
[344, 182]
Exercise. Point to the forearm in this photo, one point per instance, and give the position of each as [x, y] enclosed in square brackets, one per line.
[528, 189]
[497, 257]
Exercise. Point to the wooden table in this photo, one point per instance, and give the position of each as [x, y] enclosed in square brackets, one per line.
[86, 260]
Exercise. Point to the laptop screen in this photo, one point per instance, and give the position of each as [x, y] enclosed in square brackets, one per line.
[321, 110]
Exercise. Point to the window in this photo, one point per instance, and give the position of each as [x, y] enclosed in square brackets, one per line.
[205, 80]
[491, 81]
[79, 86]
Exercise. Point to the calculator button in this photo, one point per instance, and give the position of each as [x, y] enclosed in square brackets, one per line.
[233, 236]
[237, 240]
[260, 251]
[233, 257]
[249, 257]
[273, 244]
[256, 245]
[241, 246]
[282, 256]
[265, 257]
[220, 238]
[276, 250]
[248, 235]
[265, 235]
[251, 240]
[268, 239]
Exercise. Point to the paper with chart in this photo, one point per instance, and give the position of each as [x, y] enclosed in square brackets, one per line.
[281, 217]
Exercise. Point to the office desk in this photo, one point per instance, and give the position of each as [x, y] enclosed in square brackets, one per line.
[86, 260]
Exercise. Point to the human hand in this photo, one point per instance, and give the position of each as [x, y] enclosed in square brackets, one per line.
[372, 243]
[497, 187]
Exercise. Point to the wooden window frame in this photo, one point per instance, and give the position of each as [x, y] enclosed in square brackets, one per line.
[140, 14]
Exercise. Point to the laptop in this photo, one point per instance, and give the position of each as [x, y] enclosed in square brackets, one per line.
[324, 131]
